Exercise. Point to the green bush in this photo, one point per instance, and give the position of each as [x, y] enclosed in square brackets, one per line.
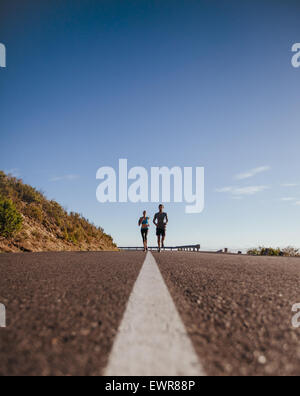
[10, 219]
[254, 252]
[262, 251]
[270, 252]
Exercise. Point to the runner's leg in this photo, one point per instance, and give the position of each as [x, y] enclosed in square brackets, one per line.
[146, 241]
[143, 236]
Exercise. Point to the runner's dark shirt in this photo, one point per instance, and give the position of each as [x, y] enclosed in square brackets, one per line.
[161, 220]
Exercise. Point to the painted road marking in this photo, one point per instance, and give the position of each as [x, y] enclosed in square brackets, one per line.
[2, 316]
[152, 339]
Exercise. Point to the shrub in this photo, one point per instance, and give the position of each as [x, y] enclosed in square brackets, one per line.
[254, 252]
[287, 252]
[10, 219]
[35, 212]
[270, 252]
[291, 252]
[27, 193]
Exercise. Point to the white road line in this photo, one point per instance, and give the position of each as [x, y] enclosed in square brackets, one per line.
[152, 339]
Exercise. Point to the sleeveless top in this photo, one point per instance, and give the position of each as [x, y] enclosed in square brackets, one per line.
[145, 222]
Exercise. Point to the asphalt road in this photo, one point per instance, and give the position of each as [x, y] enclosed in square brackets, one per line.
[64, 310]
[237, 310]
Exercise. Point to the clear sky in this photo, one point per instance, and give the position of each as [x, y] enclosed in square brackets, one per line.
[174, 83]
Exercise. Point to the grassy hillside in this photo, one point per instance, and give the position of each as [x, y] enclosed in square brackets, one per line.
[29, 222]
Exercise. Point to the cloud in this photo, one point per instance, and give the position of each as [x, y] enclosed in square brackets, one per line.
[297, 203]
[224, 189]
[290, 185]
[288, 199]
[65, 178]
[242, 191]
[249, 190]
[252, 172]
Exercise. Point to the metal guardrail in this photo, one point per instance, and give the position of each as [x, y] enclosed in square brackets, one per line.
[188, 248]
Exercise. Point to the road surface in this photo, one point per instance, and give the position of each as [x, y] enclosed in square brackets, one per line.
[169, 313]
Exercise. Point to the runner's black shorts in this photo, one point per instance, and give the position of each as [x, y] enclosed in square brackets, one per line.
[144, 232]
[161, 232]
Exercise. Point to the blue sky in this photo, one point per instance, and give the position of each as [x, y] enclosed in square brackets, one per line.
[161, 83]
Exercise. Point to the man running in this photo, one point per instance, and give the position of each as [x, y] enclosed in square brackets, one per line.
[161, 220]
[144, 222]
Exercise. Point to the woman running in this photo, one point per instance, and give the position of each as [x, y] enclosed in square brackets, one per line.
[145, 224]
